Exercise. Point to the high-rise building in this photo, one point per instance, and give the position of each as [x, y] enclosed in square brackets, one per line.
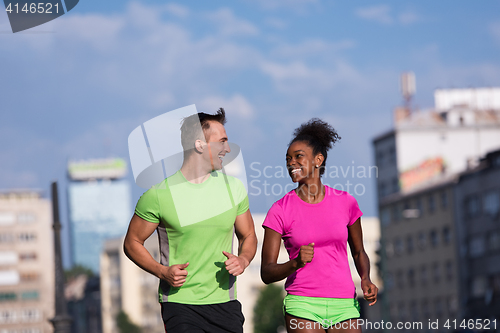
[419, 164]
[26, 262]
[98, 205]
[478, 217]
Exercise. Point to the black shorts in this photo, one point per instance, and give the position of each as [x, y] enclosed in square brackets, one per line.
[210, 318]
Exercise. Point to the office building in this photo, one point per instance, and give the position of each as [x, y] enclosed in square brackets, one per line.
[419, 165]
[98, 205]
[478, 217]
[27, 279]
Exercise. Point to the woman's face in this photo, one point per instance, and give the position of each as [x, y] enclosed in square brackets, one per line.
[300, 161]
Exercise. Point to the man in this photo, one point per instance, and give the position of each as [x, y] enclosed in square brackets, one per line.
[196, 211]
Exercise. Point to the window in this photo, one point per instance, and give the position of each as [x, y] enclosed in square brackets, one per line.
[436, 272]
[380, 158]
[449, 270]
[29, 276]
[8, 296]
[432, 203]
[491, 204]
[477, 246]
[398, 246]
[8, 316]
[30, 315]
[478, 286]
[411, 277]
[422, 240]
[27, 237]
[402, 311]
[389, 281]
[7, 218]
[400, 279]
[494, 240]
[385, 216]
[433, 236]
[389, 250]
[26, 218]
[419, 206]
[414, 310]
[425, 309]
[27, 256]
[30, 295]
[382, 189]
[392, 154]
[396, 215]
[423, 275]
[438, 307]
[8, 258]
[395, 185]
[472, 206]
[6, 238]
[444, 200]
[446, 235]
[409, 244]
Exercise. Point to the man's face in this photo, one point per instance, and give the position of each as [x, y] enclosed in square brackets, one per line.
[217, 144]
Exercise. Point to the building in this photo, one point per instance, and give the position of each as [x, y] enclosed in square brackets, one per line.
[126, 287]
[478, 213]
[27, 279]
[419, 163]
[98, 205]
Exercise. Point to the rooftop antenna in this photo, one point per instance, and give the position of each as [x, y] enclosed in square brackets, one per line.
[408, 88]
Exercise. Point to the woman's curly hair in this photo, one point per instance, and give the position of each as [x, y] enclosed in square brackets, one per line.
[319, 135]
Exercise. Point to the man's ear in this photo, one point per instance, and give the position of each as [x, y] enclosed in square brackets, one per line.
[199, 146]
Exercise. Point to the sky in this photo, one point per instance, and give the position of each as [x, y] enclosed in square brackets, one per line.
[76, 87]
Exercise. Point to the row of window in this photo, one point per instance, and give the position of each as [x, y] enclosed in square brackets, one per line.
[433, 238]
[10, 218]
[426, 274]
[21, 237]
[439, 307]
[480, 245]
[482, 285]
[384, 156]
[487, 204]
[22, 330]
[19, 316]
[414, 208]
[24, 295]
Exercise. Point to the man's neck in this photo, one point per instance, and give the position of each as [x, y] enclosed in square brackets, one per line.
[195, 170]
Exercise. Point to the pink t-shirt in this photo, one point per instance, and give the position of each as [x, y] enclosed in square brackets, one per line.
[324, 224]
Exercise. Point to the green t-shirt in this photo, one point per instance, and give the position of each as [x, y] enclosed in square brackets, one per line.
[196, 223]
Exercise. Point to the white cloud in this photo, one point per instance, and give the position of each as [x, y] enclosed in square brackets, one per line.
[177, 10]
[408, 17]
[383, 14]
[298, 6]
[495, 31]
[236, 104]
[380, 14]
[312, 47]
[231, 25]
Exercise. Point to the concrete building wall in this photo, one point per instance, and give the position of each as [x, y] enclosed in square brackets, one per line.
[26, 262]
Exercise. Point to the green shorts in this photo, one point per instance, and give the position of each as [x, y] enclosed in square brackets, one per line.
[326, 311]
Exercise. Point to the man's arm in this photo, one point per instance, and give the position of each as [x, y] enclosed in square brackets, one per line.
[138, 231]
[247, 246]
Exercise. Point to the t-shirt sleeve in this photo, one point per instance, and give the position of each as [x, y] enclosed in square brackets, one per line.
[354, 211]
[243, 206]
[274, 219]
[147, 207]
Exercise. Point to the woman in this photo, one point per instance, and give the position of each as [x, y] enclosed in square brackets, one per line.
[315, 223]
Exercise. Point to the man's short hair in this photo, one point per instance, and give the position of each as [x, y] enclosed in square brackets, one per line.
[190, 128]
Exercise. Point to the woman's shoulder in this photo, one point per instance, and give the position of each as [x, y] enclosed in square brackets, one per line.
[333, 194]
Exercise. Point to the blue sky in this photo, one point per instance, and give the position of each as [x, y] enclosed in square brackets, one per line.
[77, 86]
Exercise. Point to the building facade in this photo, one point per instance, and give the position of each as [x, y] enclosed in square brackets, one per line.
[98, 206]
[27, 279]
[478, 221]
[419, 162]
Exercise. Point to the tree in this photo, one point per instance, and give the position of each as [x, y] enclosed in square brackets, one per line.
[77, 270]
[268, 310]
[125, 325]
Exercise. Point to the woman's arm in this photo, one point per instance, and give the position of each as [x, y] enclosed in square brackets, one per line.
[361, 261]
[270, 270]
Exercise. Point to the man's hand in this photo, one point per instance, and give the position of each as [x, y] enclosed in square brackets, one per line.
[305, 256]
[369, 291]
[175, 275]
[235, 265]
